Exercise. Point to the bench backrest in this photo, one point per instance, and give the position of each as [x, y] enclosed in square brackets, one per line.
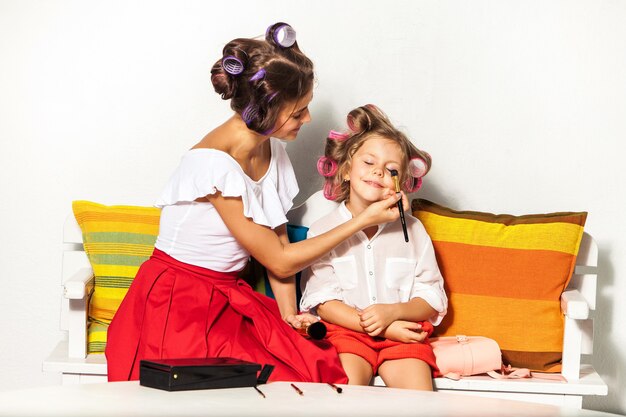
[584, 278]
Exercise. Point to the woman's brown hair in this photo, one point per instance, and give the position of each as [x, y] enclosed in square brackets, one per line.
[271, 75]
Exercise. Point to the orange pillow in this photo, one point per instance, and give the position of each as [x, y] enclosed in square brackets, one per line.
[504, 276]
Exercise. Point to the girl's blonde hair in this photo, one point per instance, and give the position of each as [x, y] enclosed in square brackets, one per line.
[364, 123]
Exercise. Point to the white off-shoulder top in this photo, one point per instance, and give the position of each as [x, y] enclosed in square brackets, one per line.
[193, 232]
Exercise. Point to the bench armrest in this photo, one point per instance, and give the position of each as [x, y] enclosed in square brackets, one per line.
[574, 305]
[79, 285]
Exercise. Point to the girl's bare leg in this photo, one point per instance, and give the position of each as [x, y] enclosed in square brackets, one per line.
[406, 373]
[359, 371]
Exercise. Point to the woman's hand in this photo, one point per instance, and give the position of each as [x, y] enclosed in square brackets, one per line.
[383, 211]
[405, 332]
[297, 321]
[377, 317]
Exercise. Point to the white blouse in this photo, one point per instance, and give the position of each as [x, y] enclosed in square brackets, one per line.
[193, 232]
[384, 269]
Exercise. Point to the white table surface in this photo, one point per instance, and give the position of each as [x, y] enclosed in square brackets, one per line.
[131, 399]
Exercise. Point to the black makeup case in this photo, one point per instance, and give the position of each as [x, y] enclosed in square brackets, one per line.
[201, 373]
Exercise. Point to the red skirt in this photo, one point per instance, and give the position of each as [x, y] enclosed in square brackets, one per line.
[177, 310]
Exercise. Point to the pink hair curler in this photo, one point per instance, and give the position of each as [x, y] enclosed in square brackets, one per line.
[334, 135]
[412, 184]
[417, 167]
[329, 191]
[327, 167]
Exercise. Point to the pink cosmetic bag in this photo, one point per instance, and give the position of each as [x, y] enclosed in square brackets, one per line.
[459, 356]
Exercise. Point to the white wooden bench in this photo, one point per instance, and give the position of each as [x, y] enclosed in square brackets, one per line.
[577, 303]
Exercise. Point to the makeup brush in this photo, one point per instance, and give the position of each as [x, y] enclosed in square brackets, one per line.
[394, 175]
[315, 331]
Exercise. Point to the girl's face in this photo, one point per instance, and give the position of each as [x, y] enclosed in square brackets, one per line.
[292, 116]
[369, 176]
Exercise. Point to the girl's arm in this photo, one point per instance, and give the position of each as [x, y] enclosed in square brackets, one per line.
[285, 259]
[377, 317]
[336, 312]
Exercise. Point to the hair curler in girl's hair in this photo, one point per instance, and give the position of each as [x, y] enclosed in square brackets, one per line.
[412, 184]
[327, 167]
[334, 135]
[330, 191]
[232, 65]
[417, 167]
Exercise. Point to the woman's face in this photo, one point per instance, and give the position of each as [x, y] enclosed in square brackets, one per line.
[291, 118]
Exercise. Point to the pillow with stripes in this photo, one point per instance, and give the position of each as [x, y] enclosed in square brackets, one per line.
[117, 240]
[504, 276]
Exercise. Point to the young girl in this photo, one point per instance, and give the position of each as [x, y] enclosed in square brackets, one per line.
[379, 295]
[225, 202]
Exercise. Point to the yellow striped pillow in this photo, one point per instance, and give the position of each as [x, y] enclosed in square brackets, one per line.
[117, 240]
[504, 276]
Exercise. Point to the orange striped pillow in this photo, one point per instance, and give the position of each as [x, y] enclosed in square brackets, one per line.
[504, 276]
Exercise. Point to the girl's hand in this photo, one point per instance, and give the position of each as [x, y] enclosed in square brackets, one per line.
[376, 318]
[405, 332]
[299, 320]
[383, 211]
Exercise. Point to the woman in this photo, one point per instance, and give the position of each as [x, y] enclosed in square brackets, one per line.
[227, 201]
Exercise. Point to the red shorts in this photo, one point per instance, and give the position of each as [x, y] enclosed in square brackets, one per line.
[376, 350]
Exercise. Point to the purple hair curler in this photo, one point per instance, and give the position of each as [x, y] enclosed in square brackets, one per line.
[249, 113]
[232, 65]
[327, 167]
[285, 36]
[334, 135]
[260, 74]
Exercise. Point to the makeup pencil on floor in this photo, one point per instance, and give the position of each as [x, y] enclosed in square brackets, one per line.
[336, 388]
[298, 390]
[259, 391]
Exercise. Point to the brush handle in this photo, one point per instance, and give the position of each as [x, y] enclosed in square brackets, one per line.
[403, 220]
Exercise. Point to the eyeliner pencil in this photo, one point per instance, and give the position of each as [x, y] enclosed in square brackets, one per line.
[394, 175]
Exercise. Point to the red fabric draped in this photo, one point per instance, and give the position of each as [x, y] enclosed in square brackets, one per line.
[177, 310]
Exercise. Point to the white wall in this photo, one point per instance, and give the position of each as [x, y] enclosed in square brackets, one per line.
[520, 103]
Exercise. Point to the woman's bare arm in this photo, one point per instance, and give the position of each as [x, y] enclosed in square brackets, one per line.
[285, 259]
[284, 289]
